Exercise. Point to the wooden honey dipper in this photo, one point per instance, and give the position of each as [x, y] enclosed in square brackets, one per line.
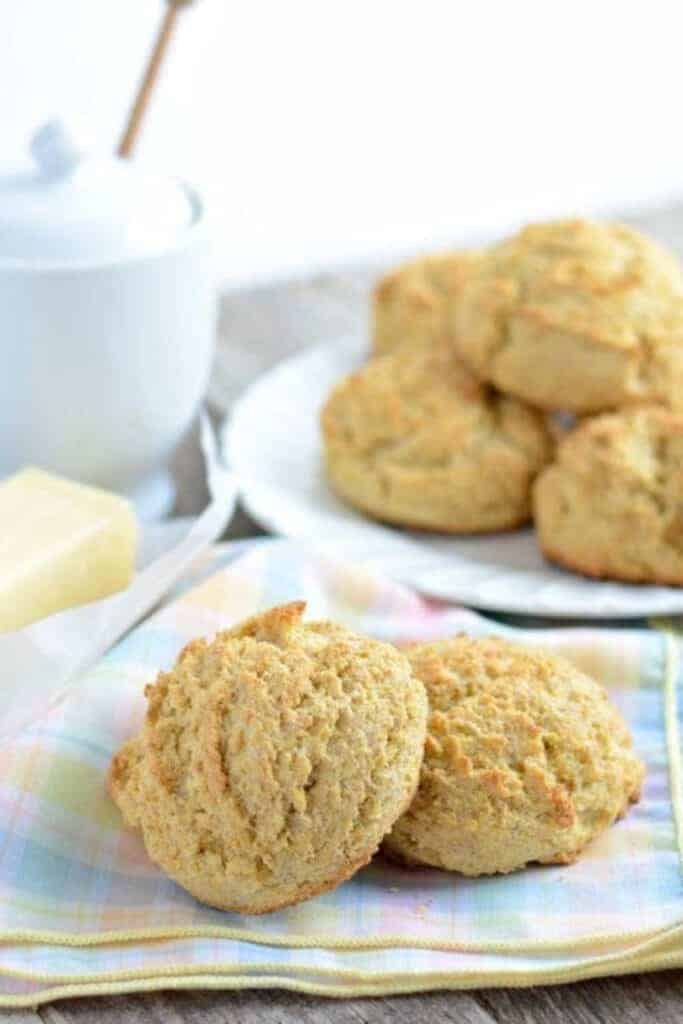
[150, 76]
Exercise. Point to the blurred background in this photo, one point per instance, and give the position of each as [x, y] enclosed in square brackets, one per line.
[335, 135]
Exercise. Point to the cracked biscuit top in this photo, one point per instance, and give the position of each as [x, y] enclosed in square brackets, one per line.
[273, 760]
[525, 760]
[612, 504]
[575, 315]
[413, 438]
[413, 304]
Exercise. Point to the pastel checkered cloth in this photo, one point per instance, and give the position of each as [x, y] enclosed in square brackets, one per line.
[83, 910]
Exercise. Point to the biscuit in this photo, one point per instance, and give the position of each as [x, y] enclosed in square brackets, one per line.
[612, 504]
[413, 304]
[414, 439]
[273, 760]
[577, 316]
[525, 760]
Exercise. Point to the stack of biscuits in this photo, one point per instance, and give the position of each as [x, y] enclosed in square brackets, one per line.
[275, 759]
[450, 426]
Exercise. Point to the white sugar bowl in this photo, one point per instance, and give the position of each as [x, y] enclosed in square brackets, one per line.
[107, 317]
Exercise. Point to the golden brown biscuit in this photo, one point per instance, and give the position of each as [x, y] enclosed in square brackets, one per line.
[612, 503]
[413, 304]
[575, 315]
[525, 760]
[414, 439]
[273, 760]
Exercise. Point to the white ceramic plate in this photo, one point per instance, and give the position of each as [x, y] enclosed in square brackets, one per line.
[272, 443]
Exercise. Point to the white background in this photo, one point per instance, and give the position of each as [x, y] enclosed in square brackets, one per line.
[330, 133]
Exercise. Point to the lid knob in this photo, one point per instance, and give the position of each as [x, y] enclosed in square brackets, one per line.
[54, 149]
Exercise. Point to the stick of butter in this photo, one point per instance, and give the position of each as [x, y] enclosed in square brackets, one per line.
[61, 544]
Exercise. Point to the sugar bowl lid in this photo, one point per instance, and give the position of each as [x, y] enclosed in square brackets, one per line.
[72, 208]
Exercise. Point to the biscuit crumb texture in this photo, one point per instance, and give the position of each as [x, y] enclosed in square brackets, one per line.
[273, 760]
[413, 304]
[575, 315]
[612, 504]
[414, 439]
[526, 760]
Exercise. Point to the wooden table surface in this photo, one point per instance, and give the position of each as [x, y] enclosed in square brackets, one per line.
[257, 328]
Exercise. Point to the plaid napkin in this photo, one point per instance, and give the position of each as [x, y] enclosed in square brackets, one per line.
[83, 910]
